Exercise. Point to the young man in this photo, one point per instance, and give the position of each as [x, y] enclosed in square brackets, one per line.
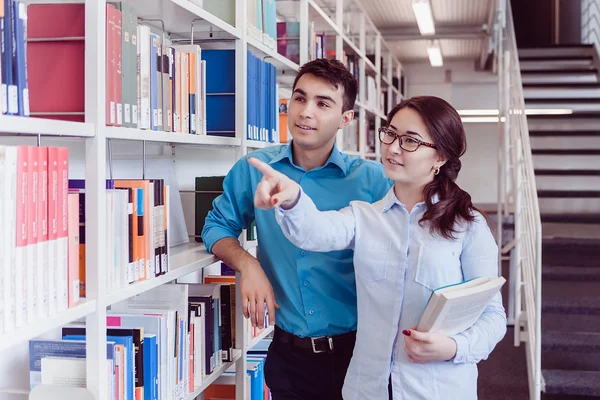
[314, 292]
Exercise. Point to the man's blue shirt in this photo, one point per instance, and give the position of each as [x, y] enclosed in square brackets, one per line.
[316, 291]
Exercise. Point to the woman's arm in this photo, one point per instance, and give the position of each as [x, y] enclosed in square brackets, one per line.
[480, 258]
[300, 220]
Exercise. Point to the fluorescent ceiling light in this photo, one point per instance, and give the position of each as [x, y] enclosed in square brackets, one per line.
[548, 111]
[424, 17]
[480, 119]
[435, 55]
[530, 111]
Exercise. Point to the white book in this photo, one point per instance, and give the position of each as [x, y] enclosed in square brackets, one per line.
[143, 49]
[3, 235]
[454, 309]
[67, 372]
[200, 89]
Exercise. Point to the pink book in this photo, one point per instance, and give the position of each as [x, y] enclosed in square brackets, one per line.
[33, 191]
[63, 229]
[73, 233]
[42, 230]
[52, 266]
[21, 239]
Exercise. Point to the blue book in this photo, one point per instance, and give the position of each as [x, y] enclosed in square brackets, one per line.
[150, 367]
[127, 342]
[39, 349]
[19, 13]
[10, 104]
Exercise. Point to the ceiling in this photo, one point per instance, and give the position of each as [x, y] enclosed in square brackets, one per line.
[460, 27]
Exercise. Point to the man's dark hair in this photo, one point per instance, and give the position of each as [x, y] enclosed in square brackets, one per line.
[336, 73]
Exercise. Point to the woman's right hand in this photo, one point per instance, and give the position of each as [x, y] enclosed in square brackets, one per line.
[275, 189]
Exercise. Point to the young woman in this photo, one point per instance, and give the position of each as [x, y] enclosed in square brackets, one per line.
[424, 234]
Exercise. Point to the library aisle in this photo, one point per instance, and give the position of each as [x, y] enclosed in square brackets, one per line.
[119, 122]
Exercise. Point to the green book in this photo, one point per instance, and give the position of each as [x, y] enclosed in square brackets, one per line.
[207, 189]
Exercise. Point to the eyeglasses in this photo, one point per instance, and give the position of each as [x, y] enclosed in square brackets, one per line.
[407, 142]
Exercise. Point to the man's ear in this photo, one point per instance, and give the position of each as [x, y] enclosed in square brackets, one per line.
[347, 117]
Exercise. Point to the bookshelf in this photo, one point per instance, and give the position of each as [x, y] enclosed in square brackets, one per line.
[179, 17]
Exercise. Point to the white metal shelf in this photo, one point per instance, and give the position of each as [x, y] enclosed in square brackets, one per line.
[259, 144]
[43, 325]
[183, 260]
[45, 127]
[210, 379]
[280, 62]
[255, 341]
[120, 133]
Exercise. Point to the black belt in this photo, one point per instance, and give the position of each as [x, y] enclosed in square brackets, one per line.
[319, 344]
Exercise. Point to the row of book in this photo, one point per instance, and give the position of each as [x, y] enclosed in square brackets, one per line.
[161, 344]
[288, 41]
[150, 83]
[137, 225]
[14, 93]
[39, 235]
[262, 98]
[261, 17]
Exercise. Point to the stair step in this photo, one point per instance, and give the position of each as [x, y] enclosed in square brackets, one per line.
[574, 85]
[543, 133]
[562, 49]
[572, 218]
[559, 100]
[567, 172]
[574, 383]
[573, 71]
[569, 194]
[578, 342]
[557, 58]
[570, 152]
[572, 274]
[571, 305]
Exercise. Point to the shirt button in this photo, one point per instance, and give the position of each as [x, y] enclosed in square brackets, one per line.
[311, 312]
[303, 253]
[305, 283]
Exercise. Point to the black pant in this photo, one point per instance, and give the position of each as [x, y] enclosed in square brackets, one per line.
[294, 373]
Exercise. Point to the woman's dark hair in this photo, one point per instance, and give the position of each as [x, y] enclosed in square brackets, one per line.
[336, 73]
[446, 130]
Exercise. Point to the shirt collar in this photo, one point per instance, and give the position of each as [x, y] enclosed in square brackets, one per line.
[390, 199]
[336, 157]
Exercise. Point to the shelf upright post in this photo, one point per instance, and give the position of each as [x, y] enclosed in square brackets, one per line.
[377, 94]
[390, 79]
[95, 176]
[241, 100]
[362, 142]
[304, 42]
[339, 55]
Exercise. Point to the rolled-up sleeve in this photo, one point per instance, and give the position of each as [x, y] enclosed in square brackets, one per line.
[480, 258]
[232, 211]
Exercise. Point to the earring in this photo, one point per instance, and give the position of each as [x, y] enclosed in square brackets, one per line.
[436, 171]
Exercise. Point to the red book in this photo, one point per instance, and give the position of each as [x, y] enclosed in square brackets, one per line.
[63, 228]
[21, 239]
[53, 277]
[56, 68]
[43, 268]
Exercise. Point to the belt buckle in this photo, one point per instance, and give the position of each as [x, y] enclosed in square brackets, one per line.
[314, 348]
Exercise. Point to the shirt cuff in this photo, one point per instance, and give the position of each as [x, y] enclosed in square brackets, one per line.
[297, 209]
[462, 349]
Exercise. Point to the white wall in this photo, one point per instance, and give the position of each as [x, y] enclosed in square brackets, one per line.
[464, 88]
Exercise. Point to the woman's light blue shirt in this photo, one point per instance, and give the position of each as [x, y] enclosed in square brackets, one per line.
[398, 263]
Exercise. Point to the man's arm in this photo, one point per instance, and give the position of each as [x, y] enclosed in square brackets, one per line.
[232, 211]
[255, 286]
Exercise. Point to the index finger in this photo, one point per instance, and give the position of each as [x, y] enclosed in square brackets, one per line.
[263, 167]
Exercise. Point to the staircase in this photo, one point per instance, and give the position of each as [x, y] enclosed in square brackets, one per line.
[566, 158]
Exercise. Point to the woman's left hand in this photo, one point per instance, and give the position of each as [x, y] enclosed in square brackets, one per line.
[424, 347]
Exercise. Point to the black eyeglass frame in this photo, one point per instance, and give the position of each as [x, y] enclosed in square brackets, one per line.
[383, 131]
